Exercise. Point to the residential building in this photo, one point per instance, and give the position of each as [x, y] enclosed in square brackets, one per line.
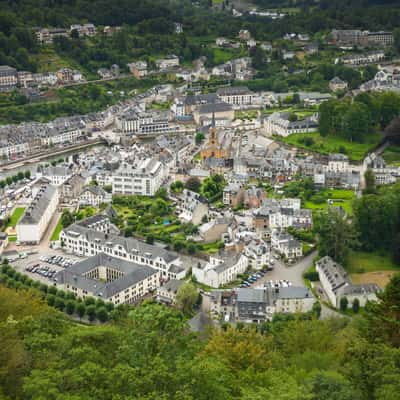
[236, 95]
[254, 197]
[337, 284]
[94, 196]
[281, 124]
[258, 254]
[167, 293]
[233, 195]
[108, 278]
[258, 305]
[167, 62]
[36, 218]
[144, 123]
[80, 240]
[8, 78]
[138, 69]
[144, 178]
[47, 35]
[337, 84]
[354, 37]
[285, 244]
[215, 229]
[57, 175]
[338, 163]
[192, 207]
[362, 59]
[220, 271]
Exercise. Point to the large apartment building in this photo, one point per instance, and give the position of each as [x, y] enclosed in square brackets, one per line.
[236, 95]
[8, 78]
[144, 123]
[89, 241]
[109, 278]
[36, 218]
[144, 178]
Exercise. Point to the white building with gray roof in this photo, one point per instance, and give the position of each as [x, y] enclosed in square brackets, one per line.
[255, 305]
[337, 284]
[36, 218]
[109, 278]
[83, 241]
[220, 270]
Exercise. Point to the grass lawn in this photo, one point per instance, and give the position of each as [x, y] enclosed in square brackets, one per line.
[340, 198]
[222, 56]
[360, 262]
[57, 231]
[331, 144]
[211, 248]
[15, 217]
[392, 155]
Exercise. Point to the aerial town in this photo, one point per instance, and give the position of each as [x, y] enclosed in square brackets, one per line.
[243, 180]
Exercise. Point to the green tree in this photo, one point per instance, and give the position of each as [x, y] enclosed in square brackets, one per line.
[193, 184]
[383, 317]
[80, 310]
[91, 312]
[344, 303]
[186, 297]
[66, 218]
[369, 178]
[335, 235]
[355, 306]
[59, 303]
[70, 307]
[102, 314]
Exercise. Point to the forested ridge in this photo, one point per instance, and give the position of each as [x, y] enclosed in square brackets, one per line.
[149, 353]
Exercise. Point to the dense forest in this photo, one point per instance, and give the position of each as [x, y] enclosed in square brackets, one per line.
[149, 27]
[149, 353]
[357, 118]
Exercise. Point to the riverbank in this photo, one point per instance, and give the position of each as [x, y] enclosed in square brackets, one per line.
[11, 166]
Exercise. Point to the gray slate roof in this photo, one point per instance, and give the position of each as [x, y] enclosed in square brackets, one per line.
[133, 273]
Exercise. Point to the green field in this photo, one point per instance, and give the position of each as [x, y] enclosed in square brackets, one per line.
[361, 262]
[331, 144]
[15, 217]
[57, 230]
[341, 198]
[392, 155]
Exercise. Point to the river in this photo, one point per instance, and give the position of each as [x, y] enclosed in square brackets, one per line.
[33, 166]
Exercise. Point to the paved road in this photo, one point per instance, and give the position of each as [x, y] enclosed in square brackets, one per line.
[292, 273]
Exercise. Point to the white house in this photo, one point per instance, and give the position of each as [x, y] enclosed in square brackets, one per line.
[220, 271]
[57, 175]
[94, 196]
[192, 207]
[285, 244]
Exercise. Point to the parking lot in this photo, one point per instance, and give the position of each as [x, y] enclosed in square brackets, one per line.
[43, 267]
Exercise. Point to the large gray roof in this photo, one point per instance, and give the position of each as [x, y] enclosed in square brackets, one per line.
[38, 206]
[129, 244]
[133, 273]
